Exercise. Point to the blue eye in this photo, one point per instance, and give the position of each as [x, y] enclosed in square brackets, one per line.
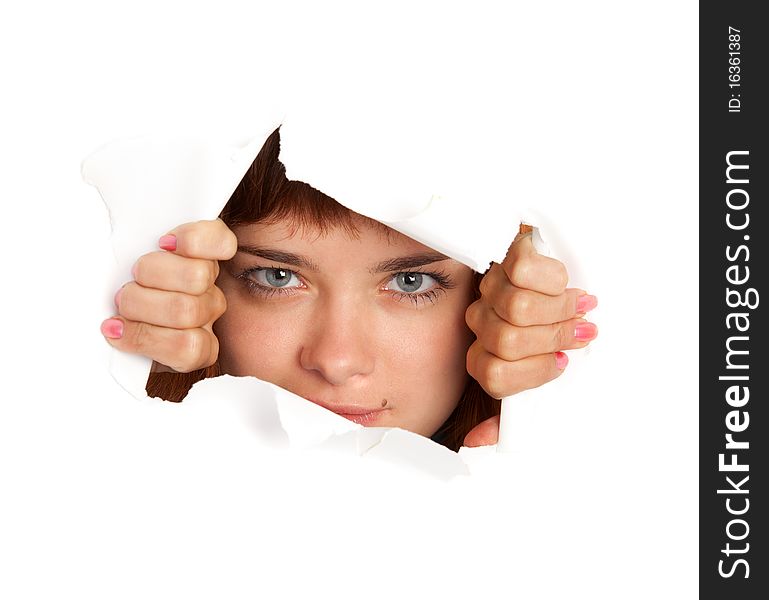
[411, 283]
[275, 278]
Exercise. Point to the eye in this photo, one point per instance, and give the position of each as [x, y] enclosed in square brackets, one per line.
[275, 278]
[411, 283]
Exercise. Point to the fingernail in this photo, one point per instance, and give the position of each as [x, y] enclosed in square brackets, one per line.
[585, 331]
[561, 360]
[168, 242]
[586, 303]
[133, 271]
[117, 297]
[112, 328]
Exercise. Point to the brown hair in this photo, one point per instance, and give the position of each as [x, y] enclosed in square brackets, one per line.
[265, 194]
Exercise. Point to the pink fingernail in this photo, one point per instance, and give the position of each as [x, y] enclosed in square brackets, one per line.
[117, 297]
[168, 242]
[561, 360]
[586, 303]
[133, 271]
[112, 328]
[585, 331]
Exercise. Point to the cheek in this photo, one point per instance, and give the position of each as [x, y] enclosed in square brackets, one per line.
[433, 345]
[255, 342]
[428, 362]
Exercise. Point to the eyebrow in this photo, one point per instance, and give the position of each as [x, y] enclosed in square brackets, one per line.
[400, 263]
[404, 263]
[288, 258]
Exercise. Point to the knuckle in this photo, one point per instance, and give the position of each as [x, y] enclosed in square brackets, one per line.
[130, 306]
[521, 271]
[191, 350]
[201, 276]
[213, 352]
[519, 309]
[507, 340]
[486, 369]
[219, 301]
[139, 267]
[229, 241]
[472, 316]
[493, 377]
[485, 286]
[138, 339]
[472, 360]
[185, 310]
[561, 278]
[561, 337]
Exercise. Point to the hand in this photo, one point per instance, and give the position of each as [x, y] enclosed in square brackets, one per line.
[168, 312]
[523, 321]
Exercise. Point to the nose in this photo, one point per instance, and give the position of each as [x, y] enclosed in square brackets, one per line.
[338, 347]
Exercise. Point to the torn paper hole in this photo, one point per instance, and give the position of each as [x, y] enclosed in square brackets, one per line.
[181, 180]
[285, 419]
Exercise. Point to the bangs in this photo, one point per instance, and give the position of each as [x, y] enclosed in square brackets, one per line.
[266, 195]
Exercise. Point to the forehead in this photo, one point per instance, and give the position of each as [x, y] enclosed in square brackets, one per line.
[364, 235]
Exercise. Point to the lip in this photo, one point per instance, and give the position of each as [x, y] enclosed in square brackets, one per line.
[362, 415]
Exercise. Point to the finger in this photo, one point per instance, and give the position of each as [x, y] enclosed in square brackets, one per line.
[211, 240]
[511, 343]
[171, 272]
[526, 268]
[502, 378]
[183, 350]
[486, 433]
[524, 307]
[169, 309]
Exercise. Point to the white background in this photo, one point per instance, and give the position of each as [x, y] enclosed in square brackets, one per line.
[104, 496]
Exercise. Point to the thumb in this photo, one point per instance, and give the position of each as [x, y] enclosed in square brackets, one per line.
[486, 433]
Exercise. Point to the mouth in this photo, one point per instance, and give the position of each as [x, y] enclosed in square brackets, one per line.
[356, 413]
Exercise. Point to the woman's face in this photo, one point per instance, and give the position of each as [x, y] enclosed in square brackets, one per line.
[370, 326]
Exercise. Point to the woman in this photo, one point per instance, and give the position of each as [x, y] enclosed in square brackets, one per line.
[347, 313]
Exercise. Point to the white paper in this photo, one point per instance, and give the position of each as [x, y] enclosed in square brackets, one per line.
[105, 496]
[186, 179]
